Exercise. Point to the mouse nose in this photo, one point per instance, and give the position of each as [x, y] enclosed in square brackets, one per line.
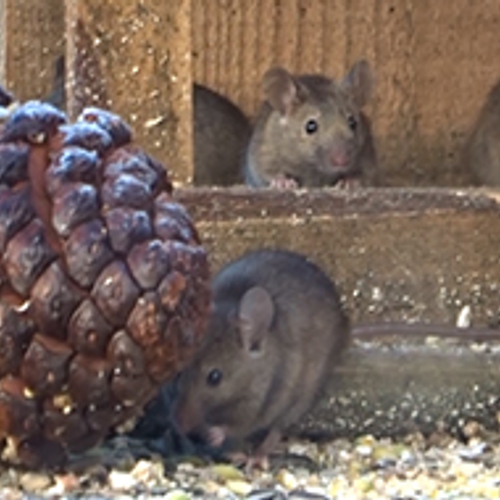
[340, 157]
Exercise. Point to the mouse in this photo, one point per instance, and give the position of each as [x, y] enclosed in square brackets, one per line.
[275, 333]
[481, 152]
[311, 131]
[221, 132]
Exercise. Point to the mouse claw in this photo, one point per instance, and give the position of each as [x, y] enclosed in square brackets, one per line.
[260, 462]
[259, 459]
[348, 183]
[282, 182]
[249, 462]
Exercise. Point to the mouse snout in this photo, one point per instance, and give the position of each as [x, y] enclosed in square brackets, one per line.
[340, 155]
[339, 158]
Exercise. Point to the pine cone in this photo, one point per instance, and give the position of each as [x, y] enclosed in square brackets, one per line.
[103, 282]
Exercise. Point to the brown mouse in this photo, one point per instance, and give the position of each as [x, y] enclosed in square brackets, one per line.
[481, 154]
[275, 333]
[221, 134]
[311, 132]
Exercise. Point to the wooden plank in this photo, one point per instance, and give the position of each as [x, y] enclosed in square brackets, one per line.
[31, 40]
[335, 40]
[233, 83]
[3, 40]
[394, 389]
[225, 44]
[396, 254]
[134, 57]
[455, 59]
[310, 35]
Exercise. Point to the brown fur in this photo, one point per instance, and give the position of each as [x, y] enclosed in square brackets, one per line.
[221, 133]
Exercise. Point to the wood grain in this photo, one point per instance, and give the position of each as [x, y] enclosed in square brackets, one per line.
[135, 59]
[31, 39]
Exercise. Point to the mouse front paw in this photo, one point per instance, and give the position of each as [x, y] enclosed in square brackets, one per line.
[216, 436]
[248, 462]
[283, 182]
[348, 183]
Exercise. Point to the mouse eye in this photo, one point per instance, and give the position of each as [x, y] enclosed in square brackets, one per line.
[214, 377]
[352, 122]
[311, 126]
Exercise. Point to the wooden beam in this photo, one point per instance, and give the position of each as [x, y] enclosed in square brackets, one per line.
[134, 57]
[397, 388]
[396, 254]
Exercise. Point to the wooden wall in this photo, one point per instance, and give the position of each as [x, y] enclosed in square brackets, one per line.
[135, 58]
[434, 63]
[31, 39]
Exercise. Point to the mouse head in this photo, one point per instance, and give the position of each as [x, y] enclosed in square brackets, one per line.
[316, 123]
[224, 386]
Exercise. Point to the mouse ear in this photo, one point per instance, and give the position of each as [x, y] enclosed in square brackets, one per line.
[280, 89]
[255, 315]
[359, 82]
